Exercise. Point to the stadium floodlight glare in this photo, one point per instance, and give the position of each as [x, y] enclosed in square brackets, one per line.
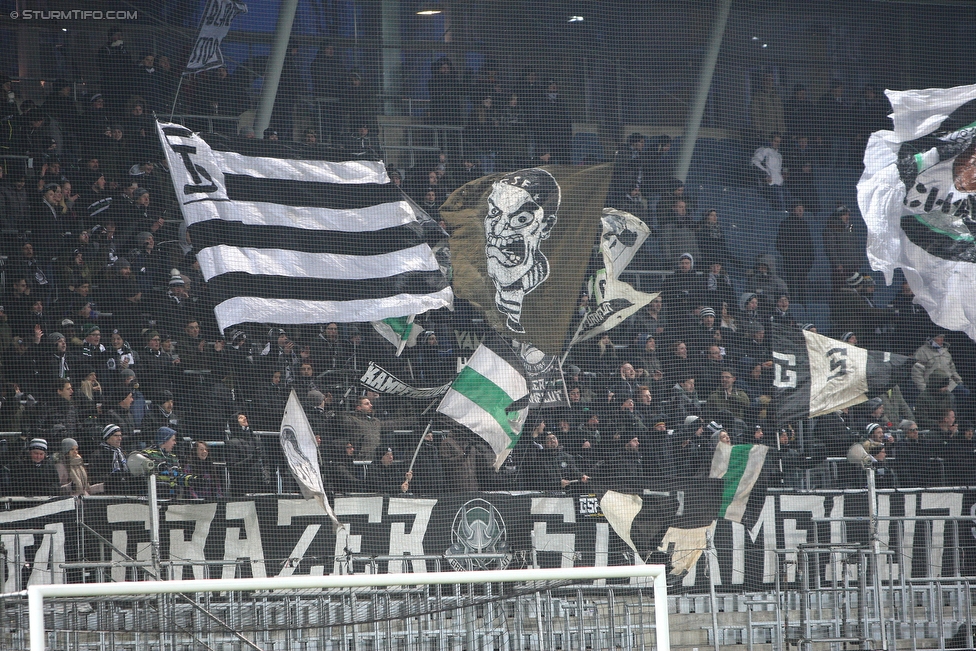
[429, 9]
[37, 593]
[575, 19]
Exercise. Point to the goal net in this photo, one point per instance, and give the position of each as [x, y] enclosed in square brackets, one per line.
[583, 607]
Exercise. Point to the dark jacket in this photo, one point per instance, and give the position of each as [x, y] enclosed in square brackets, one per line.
[34, 479]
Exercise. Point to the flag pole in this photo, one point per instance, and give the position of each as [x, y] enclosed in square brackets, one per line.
[176, 97]
[403, 342]
[569, 348]
[434, 402]
[419, 444]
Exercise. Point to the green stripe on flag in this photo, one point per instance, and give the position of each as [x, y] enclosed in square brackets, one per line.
[486, 394]
[738, 461]
[399, 325]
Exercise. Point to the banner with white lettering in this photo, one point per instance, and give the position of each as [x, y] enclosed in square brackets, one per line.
[612, 299]
[217, 17]
[544, 376]
[271, 535]
[382, 381]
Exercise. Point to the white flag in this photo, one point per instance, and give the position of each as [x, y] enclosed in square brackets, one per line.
[614, 300]
[917, 198]
[481, 398]
[217, 17]
[301, 451]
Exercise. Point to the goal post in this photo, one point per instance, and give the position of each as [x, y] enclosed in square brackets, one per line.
[36, 594]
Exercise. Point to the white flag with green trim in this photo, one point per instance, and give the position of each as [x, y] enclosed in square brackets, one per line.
[401, 331]
[482, 396]
[739, 468]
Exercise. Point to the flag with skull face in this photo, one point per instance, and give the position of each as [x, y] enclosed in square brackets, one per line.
[520, 244]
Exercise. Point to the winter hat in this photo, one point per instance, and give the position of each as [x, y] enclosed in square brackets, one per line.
[691, 425]
[315, 397]
[67, 445]
[54, 337]
[37, 444]
[870, 428]
[89, 328]
[854, 279]
[706, 311]
[164, 434]
[127, 372]
[847, 336]
[745, 298]
[110, 429]
[688, 256]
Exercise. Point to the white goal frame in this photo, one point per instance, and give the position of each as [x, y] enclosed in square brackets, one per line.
[37, 593]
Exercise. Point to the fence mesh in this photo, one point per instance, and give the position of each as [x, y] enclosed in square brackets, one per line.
[654, 206]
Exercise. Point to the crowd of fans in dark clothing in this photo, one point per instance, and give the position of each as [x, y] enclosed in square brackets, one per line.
[109, 343]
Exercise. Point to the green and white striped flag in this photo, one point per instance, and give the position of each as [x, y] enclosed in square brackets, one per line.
[739, 467]
[400, 331]
[482, 396]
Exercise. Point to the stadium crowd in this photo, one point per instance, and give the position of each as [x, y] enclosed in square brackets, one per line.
[110, 346]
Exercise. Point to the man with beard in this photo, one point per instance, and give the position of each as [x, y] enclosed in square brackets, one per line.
[365, 430]
[327, 349]
[521, 214]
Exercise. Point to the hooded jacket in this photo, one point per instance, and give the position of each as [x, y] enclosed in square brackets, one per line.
[930, 358]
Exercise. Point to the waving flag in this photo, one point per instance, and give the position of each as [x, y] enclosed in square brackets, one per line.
[614, 300]
[481, 397]
[738, 466]
[816, 375]
[217, 17]
[726, 492]
[401, 331]
[519, 246]
[282, 238]
[918, 198]
[301, 452]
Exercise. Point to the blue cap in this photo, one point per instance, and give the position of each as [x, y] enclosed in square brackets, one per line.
[164, 434]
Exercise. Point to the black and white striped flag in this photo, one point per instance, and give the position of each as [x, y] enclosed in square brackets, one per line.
[284, 238]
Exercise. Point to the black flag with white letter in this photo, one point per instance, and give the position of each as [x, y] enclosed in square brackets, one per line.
[816, 375]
